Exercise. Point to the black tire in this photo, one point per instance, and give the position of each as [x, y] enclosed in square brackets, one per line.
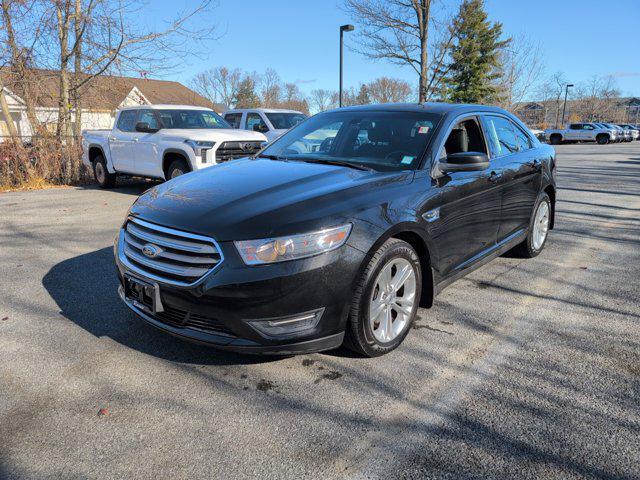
[359, 335]
[101, 174]
[526, 249]
[176, 168]
[602, 139]
[555, 139]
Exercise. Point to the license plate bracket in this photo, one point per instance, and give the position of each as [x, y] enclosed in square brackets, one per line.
[143, 295]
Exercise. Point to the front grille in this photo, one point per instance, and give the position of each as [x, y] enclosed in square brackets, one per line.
[232, 150]
[168, 255]
[178, 318]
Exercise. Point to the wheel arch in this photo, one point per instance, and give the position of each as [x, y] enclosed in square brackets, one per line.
[551, 192]
[416, 237]
[171, 154]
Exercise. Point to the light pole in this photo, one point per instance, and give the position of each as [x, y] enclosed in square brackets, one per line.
[564, 107]
[343, 28]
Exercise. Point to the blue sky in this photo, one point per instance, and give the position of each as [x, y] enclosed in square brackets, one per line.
[299, 39]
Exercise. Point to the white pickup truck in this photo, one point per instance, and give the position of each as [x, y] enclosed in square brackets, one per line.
[273, 122]
[164, 141]
[581, 132]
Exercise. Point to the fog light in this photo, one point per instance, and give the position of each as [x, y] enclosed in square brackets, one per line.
[287, 326]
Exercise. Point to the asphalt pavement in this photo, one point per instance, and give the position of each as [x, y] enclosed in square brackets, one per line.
[525, 369]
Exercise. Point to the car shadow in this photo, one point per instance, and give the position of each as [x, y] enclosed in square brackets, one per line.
[126, 185]
[85, 290]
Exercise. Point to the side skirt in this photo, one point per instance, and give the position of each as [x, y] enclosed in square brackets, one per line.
[482, 259]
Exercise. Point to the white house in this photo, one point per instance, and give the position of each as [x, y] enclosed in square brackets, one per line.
[100, 100]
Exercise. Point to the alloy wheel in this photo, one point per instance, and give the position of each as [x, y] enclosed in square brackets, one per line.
[392, 300]
[540, 225]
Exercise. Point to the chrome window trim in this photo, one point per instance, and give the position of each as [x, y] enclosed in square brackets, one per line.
[171, 231]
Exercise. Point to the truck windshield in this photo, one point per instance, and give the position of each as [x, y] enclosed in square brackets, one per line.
[384, 141]
[284, 121]
[191, 119]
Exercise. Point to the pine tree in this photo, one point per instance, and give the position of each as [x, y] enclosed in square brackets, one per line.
[246, 96]
[475, 57]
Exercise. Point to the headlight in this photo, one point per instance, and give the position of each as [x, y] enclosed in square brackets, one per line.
[198, 146]
[272, 250]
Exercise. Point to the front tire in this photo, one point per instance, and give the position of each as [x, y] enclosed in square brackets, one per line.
[538, 229]
[176, 168]
[386, 300]
[101, 173]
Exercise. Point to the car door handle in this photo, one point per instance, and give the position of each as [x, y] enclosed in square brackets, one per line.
[495, 177]
[113, 139]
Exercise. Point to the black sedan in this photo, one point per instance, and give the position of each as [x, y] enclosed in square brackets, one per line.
[339, 230]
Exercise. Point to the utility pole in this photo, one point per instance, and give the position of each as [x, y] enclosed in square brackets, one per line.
[343, 28]
[564, 107]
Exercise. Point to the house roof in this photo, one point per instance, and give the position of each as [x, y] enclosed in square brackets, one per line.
[108, 92]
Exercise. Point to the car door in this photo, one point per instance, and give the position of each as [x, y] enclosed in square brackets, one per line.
[588, 133]
[144, 147]
[121, 141]
[465, 224]
[573, 132]
[512, 151]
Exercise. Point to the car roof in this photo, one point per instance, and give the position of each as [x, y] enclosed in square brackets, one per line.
[165, 107]
[266, 110]
[440, 108]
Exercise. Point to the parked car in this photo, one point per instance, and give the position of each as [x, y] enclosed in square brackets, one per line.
[287, 252]
[164, 141]
[272, 122]
[582, 132]
[633, 131]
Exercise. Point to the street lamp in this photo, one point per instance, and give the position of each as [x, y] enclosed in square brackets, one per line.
[343, 28]
[564, 107]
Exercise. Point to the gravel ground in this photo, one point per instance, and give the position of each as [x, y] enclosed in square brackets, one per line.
[526, 369]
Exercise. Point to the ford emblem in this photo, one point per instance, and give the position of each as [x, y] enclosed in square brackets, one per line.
[150, 250]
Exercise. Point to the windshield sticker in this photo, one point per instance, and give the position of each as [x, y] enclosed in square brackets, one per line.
[407, 159]
[423, 130]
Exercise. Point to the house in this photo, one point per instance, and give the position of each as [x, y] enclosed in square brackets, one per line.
[102, 97]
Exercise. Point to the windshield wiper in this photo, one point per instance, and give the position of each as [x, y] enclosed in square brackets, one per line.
[271, 157]
[339, 163]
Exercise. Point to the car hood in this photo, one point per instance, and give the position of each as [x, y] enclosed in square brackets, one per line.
[212, 134]
[259, 198]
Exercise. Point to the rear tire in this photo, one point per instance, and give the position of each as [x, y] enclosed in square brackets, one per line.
[555, 139]
[372, 334]
[176, 168]
[101, 173]
[538, 229]
[602, 139]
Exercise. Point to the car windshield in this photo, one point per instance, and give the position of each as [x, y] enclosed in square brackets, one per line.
[191, 119]
[284, 121]
[384, 141]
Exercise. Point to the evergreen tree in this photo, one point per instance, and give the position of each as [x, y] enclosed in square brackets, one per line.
[247, 97]
[475, 56]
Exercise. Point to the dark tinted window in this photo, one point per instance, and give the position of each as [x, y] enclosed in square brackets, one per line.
[191, 119]
[127, 120]
[233, 119]
[254, 119]
[147, 116]
[575, 126]
[284, 121]
[501, 135]
[381, 140]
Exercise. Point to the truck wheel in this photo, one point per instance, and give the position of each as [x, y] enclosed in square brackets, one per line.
[385, 300]
[538, 229]
[176, 168]
[555, 139]
[602, 139]
[101, 174]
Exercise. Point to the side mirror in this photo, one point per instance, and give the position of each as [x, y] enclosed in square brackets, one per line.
[145, 128]
[260, 128]
[464, 162]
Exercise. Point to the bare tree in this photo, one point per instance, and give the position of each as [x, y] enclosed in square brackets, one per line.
[220, 85]
[270, 88]
[595, 98]
[388, 90]
[521, 69]
[395, 30]
[322, 100]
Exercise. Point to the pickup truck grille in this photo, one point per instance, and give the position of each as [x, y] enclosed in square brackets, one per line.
[168, 255]
[232, 150]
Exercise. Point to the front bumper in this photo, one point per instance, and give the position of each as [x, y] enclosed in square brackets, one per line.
[220, 309]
